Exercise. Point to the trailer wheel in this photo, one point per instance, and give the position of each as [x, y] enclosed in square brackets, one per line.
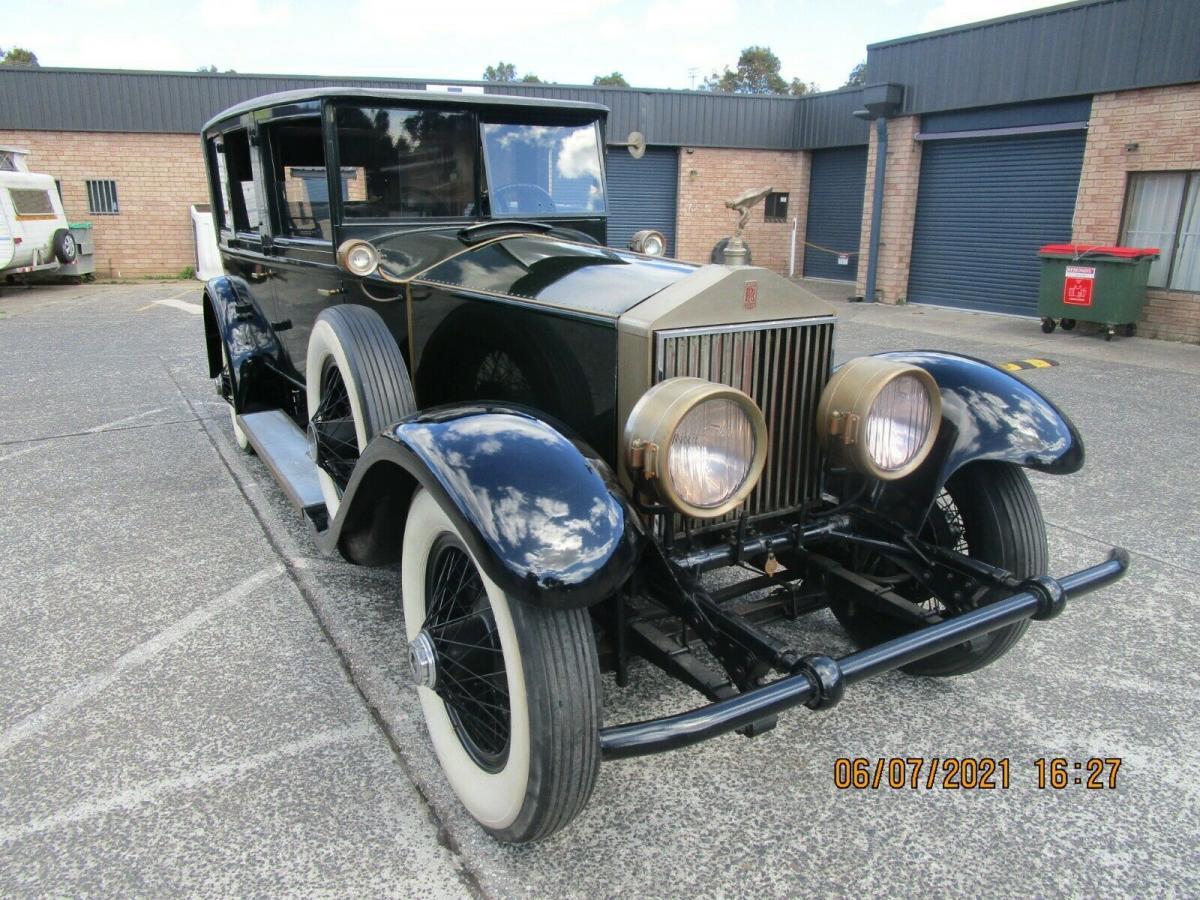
[510, 692]
[65, 247]
[989, 512]
[357, 384]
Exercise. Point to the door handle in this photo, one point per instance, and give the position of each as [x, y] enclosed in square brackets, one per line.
[331, 292]
[260, 276]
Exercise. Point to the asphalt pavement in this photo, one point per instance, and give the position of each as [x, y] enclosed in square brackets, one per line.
[193, 701]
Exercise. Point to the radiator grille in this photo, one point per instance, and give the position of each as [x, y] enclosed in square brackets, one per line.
[783, 366]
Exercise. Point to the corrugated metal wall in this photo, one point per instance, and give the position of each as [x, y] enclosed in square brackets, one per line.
[181, 102]
[835, 205]
[984, 207]
[1083, 48]
[642, 194]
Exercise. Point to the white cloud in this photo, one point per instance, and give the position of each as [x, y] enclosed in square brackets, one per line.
[243, 14]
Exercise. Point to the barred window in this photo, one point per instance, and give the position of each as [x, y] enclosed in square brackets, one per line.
[102, 197]
[1162, 209]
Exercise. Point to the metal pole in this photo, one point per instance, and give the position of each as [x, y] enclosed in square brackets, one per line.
[881, 143]
[792, 256]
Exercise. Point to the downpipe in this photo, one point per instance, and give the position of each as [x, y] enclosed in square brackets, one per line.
[819, 682]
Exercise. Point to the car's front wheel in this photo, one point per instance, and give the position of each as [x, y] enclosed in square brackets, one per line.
[510, 692]
[357, 384]
[988, 511]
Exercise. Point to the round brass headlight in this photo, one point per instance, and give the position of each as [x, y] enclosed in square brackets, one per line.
[358, 257]
[649, 242]
[879, 417]
[700, 446]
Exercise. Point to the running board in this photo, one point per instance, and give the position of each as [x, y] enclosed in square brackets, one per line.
[283, 447]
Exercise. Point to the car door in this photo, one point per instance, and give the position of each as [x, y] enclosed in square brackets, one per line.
[243, 242]
[305, 278]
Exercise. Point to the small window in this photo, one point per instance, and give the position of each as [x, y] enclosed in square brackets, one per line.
[776, 207]
[301, 182]
[32, 204]
[238, 178]
[1162, 209]
[407, 163]
[8, 161]
[102, 197]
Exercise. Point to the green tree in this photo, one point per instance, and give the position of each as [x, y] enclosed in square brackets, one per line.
[18, 56]
[857, 76]
[530, 78]
[799, 88]
[616, 79]
[502, 71]
[757, 73]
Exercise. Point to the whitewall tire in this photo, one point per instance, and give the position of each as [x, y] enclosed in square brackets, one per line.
[547, 770]
[351, 348]
[239, 436]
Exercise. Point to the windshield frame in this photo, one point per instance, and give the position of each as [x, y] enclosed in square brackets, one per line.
[597, 124]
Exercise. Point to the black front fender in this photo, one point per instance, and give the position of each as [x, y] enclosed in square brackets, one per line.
[537, 509]
[230, 315]
[987, 414]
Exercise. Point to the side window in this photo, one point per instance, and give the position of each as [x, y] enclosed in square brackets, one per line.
[219, 174]
[31, 204]
[239, 177]
[404, 163]
[301, 185]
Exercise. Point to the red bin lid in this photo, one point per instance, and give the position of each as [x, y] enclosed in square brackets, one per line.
[1092, 250]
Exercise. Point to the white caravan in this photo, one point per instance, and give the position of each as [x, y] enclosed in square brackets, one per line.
[34, 234]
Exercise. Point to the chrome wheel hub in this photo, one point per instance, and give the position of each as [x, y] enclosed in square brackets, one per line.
[422, 661]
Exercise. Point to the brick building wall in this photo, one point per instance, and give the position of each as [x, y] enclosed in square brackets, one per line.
[901, 179]
[708, 177]
[1165, 125]
[158, 176]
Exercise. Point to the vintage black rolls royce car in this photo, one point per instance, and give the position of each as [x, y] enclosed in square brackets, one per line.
[423, 335]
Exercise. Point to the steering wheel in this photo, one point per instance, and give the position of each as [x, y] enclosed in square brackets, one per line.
[529, 197]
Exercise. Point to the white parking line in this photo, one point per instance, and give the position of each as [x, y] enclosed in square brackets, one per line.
[148, 793]
[139, 655]
[176, 303]
[95, 429]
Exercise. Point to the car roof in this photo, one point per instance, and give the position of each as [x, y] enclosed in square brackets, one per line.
[438, 97]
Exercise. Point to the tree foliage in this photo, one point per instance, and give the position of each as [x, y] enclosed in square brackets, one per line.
[757, 72]
[213, 70]
[615, 79]
[530, 78]
[18, 56]
[502, 71]
[857, 76]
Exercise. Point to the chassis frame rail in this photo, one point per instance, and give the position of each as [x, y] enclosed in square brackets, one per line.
[820, 681]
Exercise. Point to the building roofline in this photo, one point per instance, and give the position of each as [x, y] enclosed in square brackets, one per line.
[351, 80]
[987, 23]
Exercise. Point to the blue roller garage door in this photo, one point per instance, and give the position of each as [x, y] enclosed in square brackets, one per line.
[984, 207]
[642, 194]
[835, 204]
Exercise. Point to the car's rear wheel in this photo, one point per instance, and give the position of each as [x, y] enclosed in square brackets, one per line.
[357, 385]
[510, 692]
[988, 511]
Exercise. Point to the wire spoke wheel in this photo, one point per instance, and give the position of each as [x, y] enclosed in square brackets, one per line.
[333, 427]
[471, 676]
[988, 512]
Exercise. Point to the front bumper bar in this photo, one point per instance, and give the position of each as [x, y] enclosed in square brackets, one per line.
[819, 681]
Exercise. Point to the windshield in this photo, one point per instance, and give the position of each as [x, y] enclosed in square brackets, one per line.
[541, 170]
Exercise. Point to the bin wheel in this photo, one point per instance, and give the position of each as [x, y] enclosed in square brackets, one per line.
[1109, 331]
[1067, 324]
[1131, 329]
[1048, 325]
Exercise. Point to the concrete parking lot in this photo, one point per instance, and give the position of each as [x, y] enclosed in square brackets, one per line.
[193, 701]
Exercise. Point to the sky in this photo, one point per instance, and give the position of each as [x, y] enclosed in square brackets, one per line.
[653, 43]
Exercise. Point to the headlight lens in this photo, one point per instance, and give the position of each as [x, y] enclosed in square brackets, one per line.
[649, 242]
[699, 446]
[358, 257]
[898, 423]
[711, 453]
[879, 417]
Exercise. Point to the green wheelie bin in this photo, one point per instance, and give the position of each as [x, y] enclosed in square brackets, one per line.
[1105, 285]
